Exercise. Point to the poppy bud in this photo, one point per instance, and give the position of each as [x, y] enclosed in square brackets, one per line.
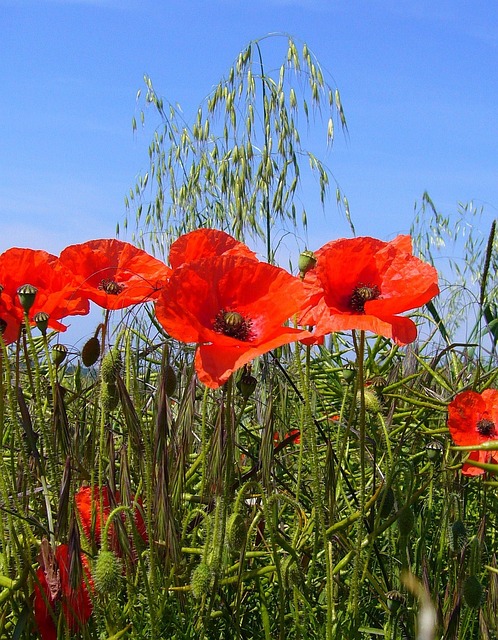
[109, 396]
[372, 403]
[472, 592]
[247, 385]
[306, 262]
[406, 521]
[27, 294]
[41, 319]
[386, 502]
[202, 580]
[236, 531]
[111, 366]
[59, 353]
[457, 536]
[292, 573]
[90, 352]
[170, 380]
[107, 573]
[394, 600]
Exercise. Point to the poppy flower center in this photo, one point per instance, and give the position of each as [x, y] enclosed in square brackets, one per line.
[3, 326]
[486, 428]
[233, 324]
[111, 287]
[361, 294]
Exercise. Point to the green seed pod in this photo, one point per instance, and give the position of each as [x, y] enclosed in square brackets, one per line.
[107, 573]
[247, 385]
[59, 353]
[406, 521]
[236, 532]
[348, 374]
[434, 450]
[90, 352]
[306, 262]
[473, 592]
[41, 318]
[27, 294]
[109, 397]
[386, 502]
[111, 365]
[394, 601]
[202, 580]
[457, 536]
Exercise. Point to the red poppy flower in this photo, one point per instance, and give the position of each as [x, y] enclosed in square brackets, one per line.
[234, 308]
[115, 274]
[88, 507]
[53, 586]
[56, 290]
[9, 321]
[206, 243]
[364, 283]
[473, 420]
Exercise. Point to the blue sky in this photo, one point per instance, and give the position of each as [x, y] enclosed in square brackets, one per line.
[418, 81]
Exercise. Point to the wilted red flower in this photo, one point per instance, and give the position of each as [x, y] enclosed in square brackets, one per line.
[473, 420]
[88, 506]
[56, 290]
[233, 308]
[115, 274]
[364, 283]
[206, 243]
[53, 586]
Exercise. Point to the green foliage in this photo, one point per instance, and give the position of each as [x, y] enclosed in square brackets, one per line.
[238, 167]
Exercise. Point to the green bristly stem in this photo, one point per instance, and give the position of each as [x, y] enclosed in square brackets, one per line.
[359, 346]
[318, 502]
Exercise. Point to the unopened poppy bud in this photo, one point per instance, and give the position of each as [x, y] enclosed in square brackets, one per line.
[236, 531]
[386, 502]
[27, 294]
[59, 353]
[109, 396]
[457, 536]
[372, 403]
[90, 352]
[306, 262]
[406, 521]
[107, 573]
[473, 592]
[394, 600]
[292, 573]
[434, 450]
[41, 319]
[111, 366]
[202, 580]
[169, 380]
[247, 385]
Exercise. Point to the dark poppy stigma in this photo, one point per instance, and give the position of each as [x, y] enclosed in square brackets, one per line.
[111, 287]
[3, 326]
[361, 294]
[233, 324]
[486, 428]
